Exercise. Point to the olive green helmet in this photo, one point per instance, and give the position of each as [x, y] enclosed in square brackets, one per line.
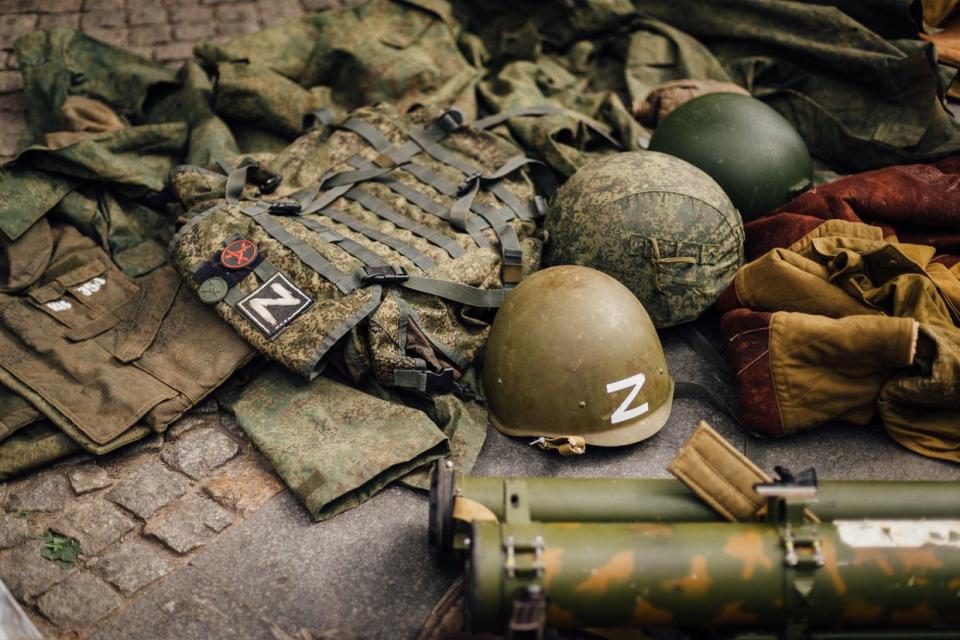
[752, 151]
[573, 353]
[657, 224]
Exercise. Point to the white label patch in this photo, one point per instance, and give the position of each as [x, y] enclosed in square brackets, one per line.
[91, 287]
[623, 413]
[274, 305]
[59, 305]
[908, 534]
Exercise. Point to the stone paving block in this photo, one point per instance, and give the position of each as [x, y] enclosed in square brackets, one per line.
[45, 492]
[245, 485]
[51, 20]
[146, 15]
[88, 477]
[147, 488]
[79, 601]
[55, 6]
[28, 574]
[96, 525]
[103, 19]
[236, 12]
[116, 36]
[193, 30]
[173, 51]
[12, 26]
[276, 11]
[10, 81]
[189, 524]
[200, 451]
[109, 5]
[190, 13]
[319, 5]
[149, 34]
[13, 530]
[186, 423]
[133, 565]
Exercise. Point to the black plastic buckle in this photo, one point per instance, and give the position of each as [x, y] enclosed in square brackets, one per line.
[285, 208]
[388, 274]
[466, 392]
[451, 120]
[440, 381]
[270, 185]
[468, 183]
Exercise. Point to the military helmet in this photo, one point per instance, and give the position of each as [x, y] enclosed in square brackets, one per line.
[573, 353]
[656, 223]
[752, 151]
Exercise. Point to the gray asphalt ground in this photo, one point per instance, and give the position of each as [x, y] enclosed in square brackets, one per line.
[368, 572]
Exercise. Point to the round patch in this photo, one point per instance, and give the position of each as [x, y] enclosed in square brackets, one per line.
[238, 254]
[212, 290]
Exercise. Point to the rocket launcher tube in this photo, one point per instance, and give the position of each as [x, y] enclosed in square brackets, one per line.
[663, 500]
[874, 574]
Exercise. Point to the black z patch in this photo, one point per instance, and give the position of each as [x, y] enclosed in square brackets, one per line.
[274, 305]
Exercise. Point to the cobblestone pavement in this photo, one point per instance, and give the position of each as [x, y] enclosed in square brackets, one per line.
[163, 30]
[138, 514]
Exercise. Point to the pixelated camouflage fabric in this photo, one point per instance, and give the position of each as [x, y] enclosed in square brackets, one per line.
[383, 344]
[309, 430]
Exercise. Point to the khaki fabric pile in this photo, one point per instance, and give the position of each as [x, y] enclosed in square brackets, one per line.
[102, 340]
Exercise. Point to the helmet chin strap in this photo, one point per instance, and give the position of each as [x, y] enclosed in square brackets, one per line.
[564, 445]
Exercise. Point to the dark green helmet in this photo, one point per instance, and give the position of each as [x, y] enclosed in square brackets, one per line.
[657, 224]
[748, 148]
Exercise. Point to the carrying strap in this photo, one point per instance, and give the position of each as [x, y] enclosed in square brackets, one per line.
[457, 292]
[448, 290]
[322, 117]
[237, 178]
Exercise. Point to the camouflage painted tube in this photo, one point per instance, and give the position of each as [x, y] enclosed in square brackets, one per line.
[664, 500]
[874, 574]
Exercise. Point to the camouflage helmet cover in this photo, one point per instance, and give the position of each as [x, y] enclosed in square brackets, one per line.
[656, 223]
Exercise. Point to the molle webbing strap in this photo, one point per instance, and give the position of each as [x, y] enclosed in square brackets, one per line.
[408, 251]
[322, 117]
[503, 116]
[474, 226]
[426, 138]
[381, 209]
[722, 476]
[307, 254]
[237, 178]
[457, 292]
[264, 271]
[355, 249]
